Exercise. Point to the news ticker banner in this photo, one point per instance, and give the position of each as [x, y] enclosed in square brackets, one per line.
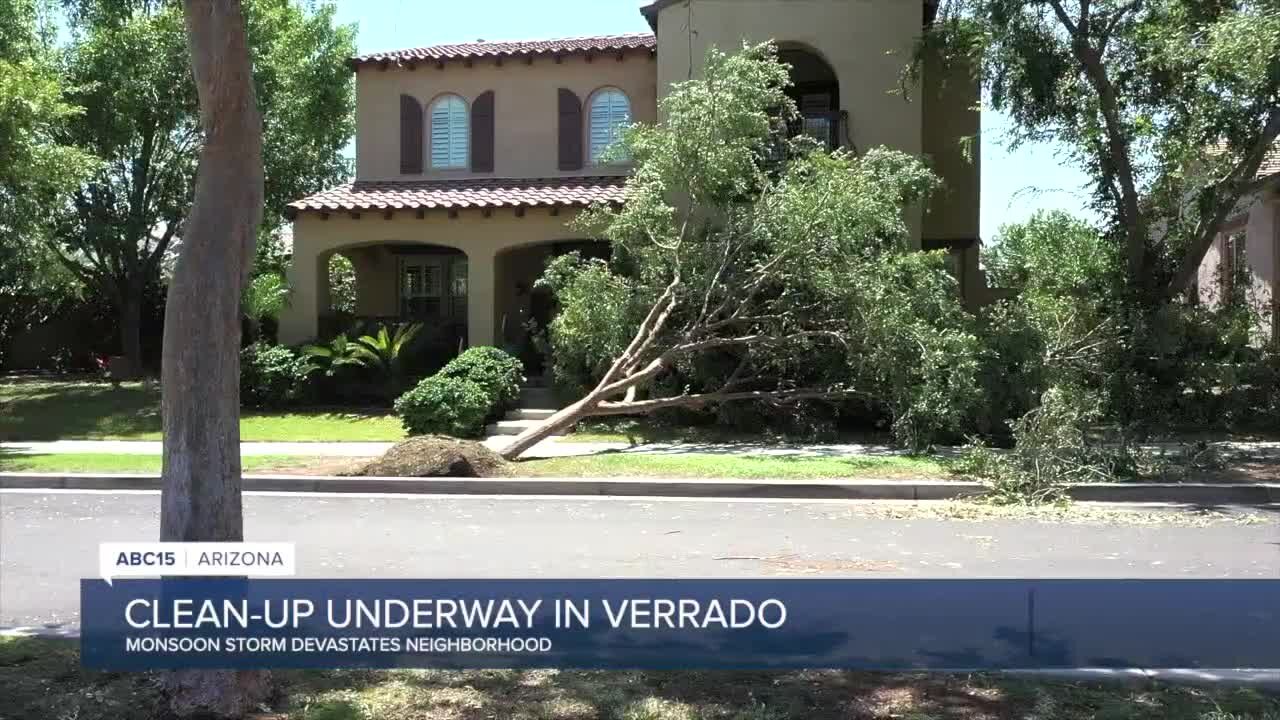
[679, 624]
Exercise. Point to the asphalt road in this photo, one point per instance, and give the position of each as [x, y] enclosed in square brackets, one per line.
[48, 541]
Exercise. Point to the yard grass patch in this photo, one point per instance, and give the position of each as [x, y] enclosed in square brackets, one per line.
[37, 410]
[43, 680]
[692, 465]
[150, 464]
[738, 467]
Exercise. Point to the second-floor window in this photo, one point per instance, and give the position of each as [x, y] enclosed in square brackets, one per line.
[610, 112]
[449, 133]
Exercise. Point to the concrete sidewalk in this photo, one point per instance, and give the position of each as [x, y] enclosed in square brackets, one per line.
[1189, 494]
[555, 447]
[562, 446]
[547, 448]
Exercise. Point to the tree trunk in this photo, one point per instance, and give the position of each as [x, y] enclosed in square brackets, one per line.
[562, 419]
[131, 331]
[201, 361]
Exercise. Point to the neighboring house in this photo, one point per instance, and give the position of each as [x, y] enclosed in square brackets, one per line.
[1243, 264]
[471, 159]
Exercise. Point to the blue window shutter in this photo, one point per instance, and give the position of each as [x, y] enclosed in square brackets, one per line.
[449, 130]
[610, 112]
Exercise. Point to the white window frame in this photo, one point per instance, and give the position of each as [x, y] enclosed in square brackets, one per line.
[614, 118]
[454, 131]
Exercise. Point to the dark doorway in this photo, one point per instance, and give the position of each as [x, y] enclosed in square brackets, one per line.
[816, 93]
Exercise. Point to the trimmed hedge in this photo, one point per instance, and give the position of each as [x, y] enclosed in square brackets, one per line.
[496, 371]
[445, 406]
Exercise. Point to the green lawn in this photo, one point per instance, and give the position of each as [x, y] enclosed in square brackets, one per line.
[43, 680]
[606, 465]
[84, 410]
[744, 467]
[109, 463]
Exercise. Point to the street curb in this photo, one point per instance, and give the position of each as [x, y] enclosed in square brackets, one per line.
[1183, 493]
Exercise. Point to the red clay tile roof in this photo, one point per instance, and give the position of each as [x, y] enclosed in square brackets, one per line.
[461, 194]
[481, 49]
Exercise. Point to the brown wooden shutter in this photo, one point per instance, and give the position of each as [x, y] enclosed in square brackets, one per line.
[412, 135]
[482, 133]
[570, 130]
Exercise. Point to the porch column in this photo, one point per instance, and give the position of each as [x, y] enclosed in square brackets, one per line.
[300, 319]
[481, 295]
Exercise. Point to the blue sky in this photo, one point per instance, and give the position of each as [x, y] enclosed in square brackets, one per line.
[1014, 184]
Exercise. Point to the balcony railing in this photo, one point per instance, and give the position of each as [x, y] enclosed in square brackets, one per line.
[825, 127]
[821, 126]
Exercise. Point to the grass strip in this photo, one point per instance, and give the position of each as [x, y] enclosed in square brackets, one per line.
[43, 680]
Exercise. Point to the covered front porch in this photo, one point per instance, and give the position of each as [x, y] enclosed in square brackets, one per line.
[466, 274]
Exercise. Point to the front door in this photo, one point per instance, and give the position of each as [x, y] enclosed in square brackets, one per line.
[433, 291]
[433, 288]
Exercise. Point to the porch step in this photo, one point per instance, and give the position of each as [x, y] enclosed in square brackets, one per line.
[510, 427]
[538, 414]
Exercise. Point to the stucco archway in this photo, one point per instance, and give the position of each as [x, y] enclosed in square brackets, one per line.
[815, 89]
[519, 302]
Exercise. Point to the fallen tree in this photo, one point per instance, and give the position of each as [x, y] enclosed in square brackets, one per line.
[783, 265]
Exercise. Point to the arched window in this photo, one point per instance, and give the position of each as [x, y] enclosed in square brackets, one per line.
[610, 111]
[449, 133]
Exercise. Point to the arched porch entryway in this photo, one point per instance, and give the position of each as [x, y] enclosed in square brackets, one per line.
[398, 283]
[522, 306]
[815, 89]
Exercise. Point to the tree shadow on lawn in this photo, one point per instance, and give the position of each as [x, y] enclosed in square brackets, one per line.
[38, 409]
[47, 410]
[13, 461]
[740, 695]
[43, 680]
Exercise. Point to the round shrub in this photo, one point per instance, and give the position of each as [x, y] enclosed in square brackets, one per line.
[444, 406]
[271, 376]
[496, 371]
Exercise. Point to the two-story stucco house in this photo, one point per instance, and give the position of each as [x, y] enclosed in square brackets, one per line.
[1248, 251]
[471, 159]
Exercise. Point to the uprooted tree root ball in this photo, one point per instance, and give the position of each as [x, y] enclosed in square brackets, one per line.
[435, 456]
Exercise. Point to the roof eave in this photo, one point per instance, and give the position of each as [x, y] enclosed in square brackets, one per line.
[651, 11]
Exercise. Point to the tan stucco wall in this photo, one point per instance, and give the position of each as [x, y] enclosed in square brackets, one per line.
[375, 270]
[526, 140]
[481, 238]
[1261, 217]
[951, 98]
[867, 43]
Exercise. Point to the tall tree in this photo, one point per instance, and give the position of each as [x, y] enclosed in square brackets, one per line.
[1170, 105]
[37, 172]
[126, 65]
[200, 399]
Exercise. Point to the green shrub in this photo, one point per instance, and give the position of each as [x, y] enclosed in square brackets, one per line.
[444, 406]
[271, 376]
[597, 316]
[496, 371]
